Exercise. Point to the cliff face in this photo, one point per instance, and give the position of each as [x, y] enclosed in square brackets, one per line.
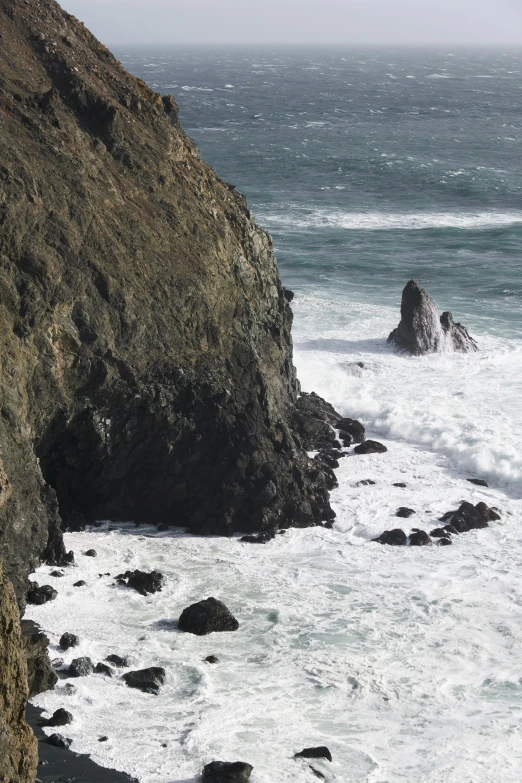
[146, 359]
[18, 747]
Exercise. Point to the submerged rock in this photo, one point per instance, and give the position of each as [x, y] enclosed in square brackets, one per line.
[478, 482]
[146, 680]
[142, 581]
[423, 330]
[395, 537]
[321, 752]
[227, 772]
[208, 616]
[370, 447]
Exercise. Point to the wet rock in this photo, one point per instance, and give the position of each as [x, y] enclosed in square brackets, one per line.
[352, 428]
[40, 594]
[352, 368]
[146, 680]
[469, 517]
[450, 529]
[60, 718]
[117, 660]
[81, 667]
[422, 330]
[212, 659]
[445, 542]
[419, 538]
[404, 512]
[395, 537]
[325, 458]
[68, 640]
[91, 553]
[102, 668]
[478, 482]
[321, 752]
[259, 538]
[145, 583]
[439, 532]
[370, 447]
[317, 773]
[40, 673]
[103, 739]
[289, 295]
[314, 421]
[208, 616]
[365, 483]
[59, 741]
[80, 583]
[57, 573]
[400, 484]
[227, 772]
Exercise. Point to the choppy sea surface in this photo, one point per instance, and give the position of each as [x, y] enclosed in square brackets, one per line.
[368, 168]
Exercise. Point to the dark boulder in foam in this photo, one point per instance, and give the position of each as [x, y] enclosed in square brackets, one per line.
[227, 772]
[146, 680]
[209, 616]
[423, 330]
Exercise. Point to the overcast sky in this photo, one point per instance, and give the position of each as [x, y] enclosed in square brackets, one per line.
[301, 21]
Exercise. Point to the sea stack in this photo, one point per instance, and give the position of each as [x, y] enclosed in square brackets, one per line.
[423, 330]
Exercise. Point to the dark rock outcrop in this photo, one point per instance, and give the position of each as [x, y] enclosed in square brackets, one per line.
[352, 428]
[419, 538]
[227, 772]
[146, 680]
[395, 537]
[40, 673]
[68, 640]
[478, 482]
[59, 741]
[321, 752]
[91, 553]
[208, 616]
[211, 659]
[81, 667]
[370, 447]
[314, 421]
[117, 660]
[423, 330]
[60, 718]
[469, 517]
[142, 581]
[404, 512]
[102, 668]
[40, 594]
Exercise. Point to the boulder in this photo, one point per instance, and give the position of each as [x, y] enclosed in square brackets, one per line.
[211, 659]
[365, 483]
[142, 581]
[40, 594]
[400, 484]
[419, 538]
[423, 330]
[353, 428]
[91, 553]
[469, 517]
[59, 741]
[439, 532]
[395, 537]
[60, 718]
[80, 583]
[102, 668]
[81, 667]
[314, 421]
[146, 680]
[41, 675]
[117, 660]
[208, 616]
[227, 772]
[370, 447]
[321, 752]
[404, 512]
[445, 541]
[68, 640]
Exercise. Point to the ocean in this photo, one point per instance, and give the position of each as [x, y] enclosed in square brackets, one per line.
[368, 168]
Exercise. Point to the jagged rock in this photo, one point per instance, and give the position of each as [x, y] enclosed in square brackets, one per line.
[478, 482]
[404, 512]
[40, 673]
[81, 667]
[419, 538]
[68, 640]
[370, 447]
[60, 718]
[102, 668]
[18, 746]
[117, 660]
[59, 741]
[40, 594]
[321, 752]
[227, 772]
[211, 659]
[422, 330]
[208, 616]
[146, 680]
[325, 458]
[395, 537]
[314, 421]
[142, 581]
[91, 553]
[353, 428]
[469, 517]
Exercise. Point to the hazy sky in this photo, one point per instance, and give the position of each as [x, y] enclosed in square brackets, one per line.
[301, 21]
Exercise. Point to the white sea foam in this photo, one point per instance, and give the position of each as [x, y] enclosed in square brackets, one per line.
[299, 219]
